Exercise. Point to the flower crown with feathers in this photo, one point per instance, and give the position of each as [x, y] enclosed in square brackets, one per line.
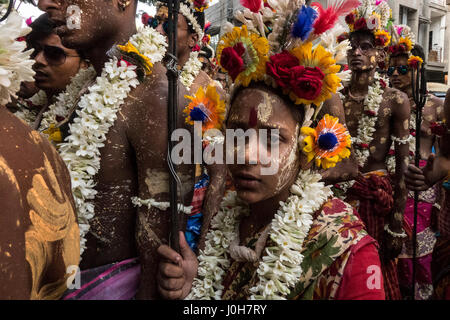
[374, 16]
[190, 9]
[288, 45]
[292, 46]
[403, 41]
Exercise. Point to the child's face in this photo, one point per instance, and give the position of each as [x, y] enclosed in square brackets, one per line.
[255, 108]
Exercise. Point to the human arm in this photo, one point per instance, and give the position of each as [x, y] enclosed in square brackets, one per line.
[400, 134]
[148, 134]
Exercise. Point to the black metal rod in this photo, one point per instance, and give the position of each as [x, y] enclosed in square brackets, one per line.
[172, 74]
[419, 92]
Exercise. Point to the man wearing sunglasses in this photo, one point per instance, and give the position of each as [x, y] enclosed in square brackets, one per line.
[375, 115]
[55, 64]
[400, 73]
[132, 157]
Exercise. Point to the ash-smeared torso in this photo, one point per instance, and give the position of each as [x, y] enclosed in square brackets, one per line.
[384, 126]
[111, 236]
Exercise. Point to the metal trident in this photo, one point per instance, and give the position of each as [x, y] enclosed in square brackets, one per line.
[419, 91]
[172, 102]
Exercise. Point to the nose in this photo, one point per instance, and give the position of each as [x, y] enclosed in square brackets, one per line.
[252, 149]
[47, 5]
[40, 59]
[357, 51]
[395, 73]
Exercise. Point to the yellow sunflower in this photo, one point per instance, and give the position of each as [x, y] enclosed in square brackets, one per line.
[130, 48]
[382, 38]
[407, 42]
[252, 62]
[328, 143]
[415, 62]
[323, 60]
[207, 107]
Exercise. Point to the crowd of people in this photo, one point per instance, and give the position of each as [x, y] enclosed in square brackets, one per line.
[85, 174]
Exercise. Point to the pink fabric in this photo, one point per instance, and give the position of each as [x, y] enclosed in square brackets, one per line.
[423, 214]
[119, 284]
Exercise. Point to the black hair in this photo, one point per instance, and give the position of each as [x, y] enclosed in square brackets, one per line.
[418, 51]
[41, 28]
[361, 33]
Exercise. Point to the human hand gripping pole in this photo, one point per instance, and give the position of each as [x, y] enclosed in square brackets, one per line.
[176, 271]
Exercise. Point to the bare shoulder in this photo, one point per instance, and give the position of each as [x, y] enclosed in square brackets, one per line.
[333, 106]
[398, 102]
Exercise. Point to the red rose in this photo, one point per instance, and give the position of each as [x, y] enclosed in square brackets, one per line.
[383, 84]
[371, 113]
[306, 82]
[199, 3]
[360, 24]
[231, 60]
[279, 68]
[391, 152]
[350, 18]
[364, 145]
[412, 132]
[196, 48]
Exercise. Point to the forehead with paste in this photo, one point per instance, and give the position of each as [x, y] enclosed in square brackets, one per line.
[261, 108]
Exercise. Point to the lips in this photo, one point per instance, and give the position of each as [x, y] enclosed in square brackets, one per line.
[244, 180]
[40, 75]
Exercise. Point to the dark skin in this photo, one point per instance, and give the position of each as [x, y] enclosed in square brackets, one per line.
[133, 161]
[393, 120]
[261, 192]
[432, 111]
[347, 169]
[437, 168]
[38, 217]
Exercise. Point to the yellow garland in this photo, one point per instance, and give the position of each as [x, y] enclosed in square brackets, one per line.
[415, 58]
[54, 134]
[129, 47]
[407, 43]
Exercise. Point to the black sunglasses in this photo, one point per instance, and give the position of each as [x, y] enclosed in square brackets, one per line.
[55, 56]
[155, 21]
[400, 69]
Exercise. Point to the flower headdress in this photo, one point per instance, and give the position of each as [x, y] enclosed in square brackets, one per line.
[403, 41]
[193, 11]
[288, 45]
[374, 16]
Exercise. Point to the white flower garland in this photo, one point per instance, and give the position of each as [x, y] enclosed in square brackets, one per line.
[186, 12]
[280, 268]
[66, 99]
[190, 70]
[96, 114]
[15, 63]
[138, 202]
[366, 127]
